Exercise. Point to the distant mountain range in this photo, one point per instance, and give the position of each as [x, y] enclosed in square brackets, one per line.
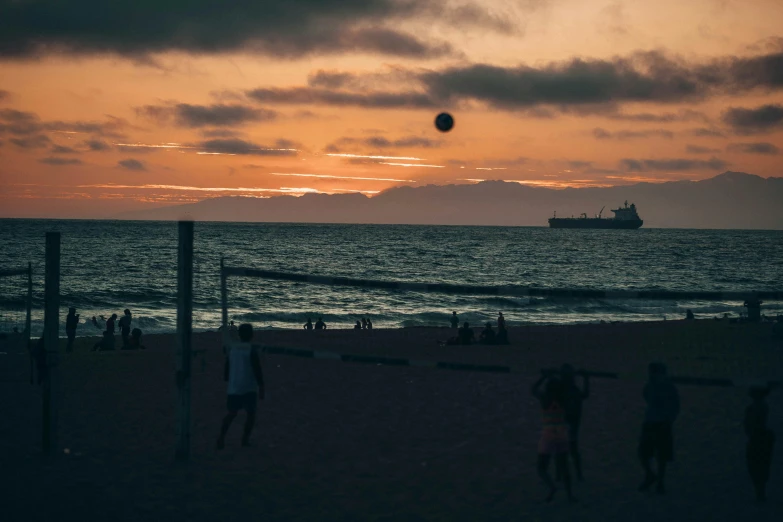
[729, 200]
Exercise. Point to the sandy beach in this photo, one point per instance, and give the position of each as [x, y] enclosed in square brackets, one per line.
[355, 442]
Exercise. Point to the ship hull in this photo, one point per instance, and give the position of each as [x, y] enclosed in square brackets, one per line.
[605, 224]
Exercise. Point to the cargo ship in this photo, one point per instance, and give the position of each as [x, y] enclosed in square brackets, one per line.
[624, 218]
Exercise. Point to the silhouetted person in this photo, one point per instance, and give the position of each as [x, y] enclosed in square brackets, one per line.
[71, 322]
[554, 433]
[502, 336]
[232, 327]
[369, 324]
[110, 324]
[95, 322]
[574, 397]
[663, 407]
[454, 320]
[487, 335]
[761, 441]
[357, 326]
[309, 324]
[754, 309]
[320, 325]
[135, 341]
[105, 344]
[125, 322]
[364, 323]
[689, 315]
[245, 380]
[501, 320]
[465, 335]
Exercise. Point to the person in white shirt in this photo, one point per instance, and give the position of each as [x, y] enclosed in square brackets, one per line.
[245, 383]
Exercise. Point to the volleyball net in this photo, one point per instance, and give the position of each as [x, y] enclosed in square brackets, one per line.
[227, 272]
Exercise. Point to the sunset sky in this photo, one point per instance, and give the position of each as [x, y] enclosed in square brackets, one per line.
[114, 106]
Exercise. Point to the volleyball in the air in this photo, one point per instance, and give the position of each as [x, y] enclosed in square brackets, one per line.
[444, 122]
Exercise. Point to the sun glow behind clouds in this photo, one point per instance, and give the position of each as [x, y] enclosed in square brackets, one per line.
[412, 165]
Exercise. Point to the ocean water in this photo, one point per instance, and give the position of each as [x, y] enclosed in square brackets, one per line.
[107, 266]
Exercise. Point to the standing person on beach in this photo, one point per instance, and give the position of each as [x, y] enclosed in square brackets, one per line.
[125, 323]
[71, 322]
[761, 441]
[554, 433]
[454, 320]
[110, 324]
[320, 325]
[364, 323]
[369, 323]
[501, 321]
[574, 397]
[245, 380]
[663, 407]
[309, 324]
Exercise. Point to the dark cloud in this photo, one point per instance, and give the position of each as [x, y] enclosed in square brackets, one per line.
[23, 123]
[186, 115]
[36, 141]
[408, 141]
[704, 132]
[644, 165]
[59, 162]
[586, 86]
[131, 164]
[59, 149]
[576, 164]
[4, 95]
[242, 147]
[754, 148]
[97, 145]
[319, 96]
[252, 166]
[138, 149]
[697, 149]
[220, 133]
[287, 144]
[603, 134]
[283, 28]
[753, 121]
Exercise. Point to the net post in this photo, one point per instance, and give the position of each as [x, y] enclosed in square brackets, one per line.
[29, 304]
[184, 336]
[223, 294]
[51, 379]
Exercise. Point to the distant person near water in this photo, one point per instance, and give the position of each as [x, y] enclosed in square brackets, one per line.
[554, 433]
[320, 325]
[309, 324]
[71, 322]
[657, 440]
[357, 326]
[369, 323]
[110, 324]
[245, 380]
[689, 315]
[364, 323]
[574, 397]
[125, 326]
[501, 321]
[487, 335]
[761, 441]
[465, 335]
[754, 309]
[454, 320]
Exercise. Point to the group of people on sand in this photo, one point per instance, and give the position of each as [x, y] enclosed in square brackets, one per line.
[466, 335]
[319, 324]
[561, 405]
[561, 401]
[131, 339]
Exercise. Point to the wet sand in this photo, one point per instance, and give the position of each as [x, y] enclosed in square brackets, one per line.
[356, 442]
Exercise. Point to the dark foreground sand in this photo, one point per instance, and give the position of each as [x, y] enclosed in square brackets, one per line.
[356, 442]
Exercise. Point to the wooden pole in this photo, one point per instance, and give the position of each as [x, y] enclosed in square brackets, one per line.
[51, 343]
[28, 317]
[223, 295]
[184, 333]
